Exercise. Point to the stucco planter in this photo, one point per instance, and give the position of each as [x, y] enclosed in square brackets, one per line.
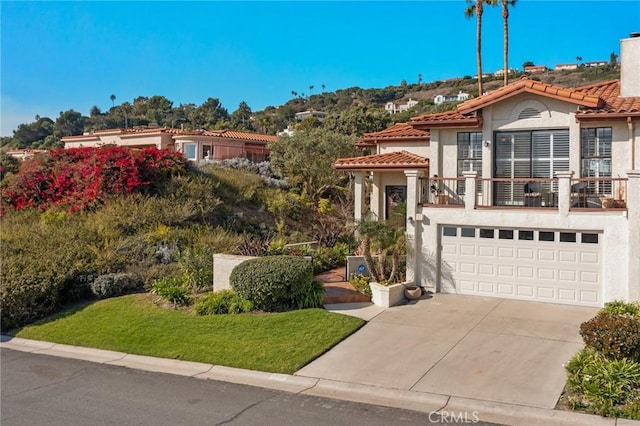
[386, 295]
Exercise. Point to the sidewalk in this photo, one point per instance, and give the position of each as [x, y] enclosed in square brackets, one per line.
[416, 400]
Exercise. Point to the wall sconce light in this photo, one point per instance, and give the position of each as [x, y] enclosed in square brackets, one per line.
[486, 144]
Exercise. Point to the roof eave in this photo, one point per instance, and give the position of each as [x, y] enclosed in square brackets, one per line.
[607, 116]
[459, 123]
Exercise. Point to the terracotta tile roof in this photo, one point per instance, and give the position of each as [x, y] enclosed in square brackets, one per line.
[230, 134]
[447, 119]
[388, 161]
[526, 85]
[614, 104]
[400, 132]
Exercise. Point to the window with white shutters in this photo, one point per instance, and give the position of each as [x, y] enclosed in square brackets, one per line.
[527, 154]
[469, 156]
[596, 157]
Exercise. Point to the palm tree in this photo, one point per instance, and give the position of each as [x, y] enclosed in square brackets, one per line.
[419, 78]
[310, 90]
[323, 86]
[113, 98]
[476, 8]
[505, 21]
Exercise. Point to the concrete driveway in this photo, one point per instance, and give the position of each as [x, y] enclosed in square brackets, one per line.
[472, 347]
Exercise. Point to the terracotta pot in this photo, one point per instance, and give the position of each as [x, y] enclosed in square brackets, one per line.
[413, 292]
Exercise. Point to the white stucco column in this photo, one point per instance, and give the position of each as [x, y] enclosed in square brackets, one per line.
[376, 196]
[435, 152]
[633, 216]
[358, 195]
[413, 228]
[470, 190]
[564, 192]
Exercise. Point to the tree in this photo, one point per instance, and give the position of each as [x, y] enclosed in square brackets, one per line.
[310, 90]
[32, 135]
[323, 87]
[419, 78]
[613, 59]
[126, 109]
[290, 157]
[69, 123]
[158, 108]
[208, 114]
[527, 64]
[505, 21]
[240, 117]
[476, 8]
[113, 98]
[578, 59]
[358, 120]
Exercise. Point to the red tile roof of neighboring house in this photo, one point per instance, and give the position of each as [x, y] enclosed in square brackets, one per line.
[400, 132]
[389, 161]
[614, 106]
[526, 85]
[230, 134]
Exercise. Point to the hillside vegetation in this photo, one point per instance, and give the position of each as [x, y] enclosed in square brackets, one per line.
[351, 111]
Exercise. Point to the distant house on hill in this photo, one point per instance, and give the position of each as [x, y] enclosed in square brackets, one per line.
[535, 68]
[593, 64]
[195, 145]
[397, 107]
[461, 96]
[310, 113]
[561, 67]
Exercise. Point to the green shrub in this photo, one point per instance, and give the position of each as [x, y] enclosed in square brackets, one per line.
[361, 283]
[603, 386]
[273, 283]
[614, 336]
[311, 296]
[222, 302]
[112, 285]
[171, 289]
[618, 307]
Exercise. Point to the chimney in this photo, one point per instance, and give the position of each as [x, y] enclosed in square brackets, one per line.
[630, 66]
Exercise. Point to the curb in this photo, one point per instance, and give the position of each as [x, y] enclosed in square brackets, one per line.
[470, 410]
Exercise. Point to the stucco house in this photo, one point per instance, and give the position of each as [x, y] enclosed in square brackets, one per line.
[529, 192]
[196, 145]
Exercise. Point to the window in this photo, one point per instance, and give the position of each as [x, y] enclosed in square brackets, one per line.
[190, 151]
[469, 155]
[568, 237]
[206, 151]
[468, 232]
[486, 233]
[596, 157]
[505, 234]
[589, 238]
[527, 154]
[525, 235]
[546, 236]
[448, 231]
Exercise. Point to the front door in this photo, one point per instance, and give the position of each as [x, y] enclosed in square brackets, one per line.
[395, 194]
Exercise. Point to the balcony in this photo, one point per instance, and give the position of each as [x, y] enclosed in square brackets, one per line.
[574, 194]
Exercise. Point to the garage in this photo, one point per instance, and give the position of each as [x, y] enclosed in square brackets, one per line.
[543, 265]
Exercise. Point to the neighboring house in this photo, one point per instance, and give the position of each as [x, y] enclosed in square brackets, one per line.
[593, 64]
[289, 131]
[439, 99]
[500, 72]
[531, 192]
[310, 113]
[535, 68]
[24, 153]
[561, 67]
[397, 107]
[196, 145]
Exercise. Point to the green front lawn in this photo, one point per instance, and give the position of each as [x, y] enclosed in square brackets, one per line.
[280, 343]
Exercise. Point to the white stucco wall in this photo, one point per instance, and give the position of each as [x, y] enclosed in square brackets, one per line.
[223, 264]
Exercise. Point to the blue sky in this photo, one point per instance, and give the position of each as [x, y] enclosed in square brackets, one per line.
[57, 56]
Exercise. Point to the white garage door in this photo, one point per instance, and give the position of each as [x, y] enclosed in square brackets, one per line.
[527, 264]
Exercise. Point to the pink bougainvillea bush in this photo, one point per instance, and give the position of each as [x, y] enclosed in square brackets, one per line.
[81, 178]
